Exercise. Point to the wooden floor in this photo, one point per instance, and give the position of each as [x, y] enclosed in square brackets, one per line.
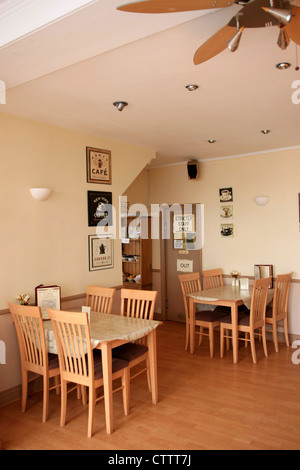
[203, 404]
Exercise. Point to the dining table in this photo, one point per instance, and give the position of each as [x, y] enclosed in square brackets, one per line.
[226, 296]
[109, 331]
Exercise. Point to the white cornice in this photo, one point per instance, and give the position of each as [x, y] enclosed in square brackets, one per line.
[19, 18]
[227, 157]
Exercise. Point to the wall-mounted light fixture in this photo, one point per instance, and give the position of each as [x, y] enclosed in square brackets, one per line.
[261, 200]
[40, 194]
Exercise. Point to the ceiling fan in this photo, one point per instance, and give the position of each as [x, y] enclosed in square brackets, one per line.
[253, 14]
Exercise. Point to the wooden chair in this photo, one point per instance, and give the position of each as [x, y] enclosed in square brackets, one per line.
[137, 304]
[212, 278]
[249, 323]
[100, 299]
[189, 283]
[207, 320]
[78, 364]
[279, 310]
[33, 353]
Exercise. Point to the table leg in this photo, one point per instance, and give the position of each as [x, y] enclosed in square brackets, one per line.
[153, 365]
[235, 335]
[192, 309]
[107, 386]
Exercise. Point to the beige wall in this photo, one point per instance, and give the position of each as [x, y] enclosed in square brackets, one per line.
[263, 235]
[47, 242]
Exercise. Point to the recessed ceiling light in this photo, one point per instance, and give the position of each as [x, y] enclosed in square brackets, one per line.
[120, 105]
[265, 131]
[283, 65]
[211, 141]
[191, 87]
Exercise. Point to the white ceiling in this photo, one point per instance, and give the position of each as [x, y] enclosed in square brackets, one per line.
[67, 68]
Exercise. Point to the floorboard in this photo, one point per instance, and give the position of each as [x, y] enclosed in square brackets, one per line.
[204, 404]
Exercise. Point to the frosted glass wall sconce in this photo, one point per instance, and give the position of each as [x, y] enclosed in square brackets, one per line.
[40, 194]
[261, 200]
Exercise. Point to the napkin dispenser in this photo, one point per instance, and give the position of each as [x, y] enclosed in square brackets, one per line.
[88, 311]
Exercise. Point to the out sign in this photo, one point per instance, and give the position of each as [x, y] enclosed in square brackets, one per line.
[185, 265]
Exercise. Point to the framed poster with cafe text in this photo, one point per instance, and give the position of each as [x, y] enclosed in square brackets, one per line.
[99, 208]
[98, 165]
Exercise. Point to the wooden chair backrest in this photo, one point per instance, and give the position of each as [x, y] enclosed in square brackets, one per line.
[212, 278]
[138, 303]
[31, 337]
[73, 340]
[100, 299]
[259, 302]
[189, 282]
[281, 294]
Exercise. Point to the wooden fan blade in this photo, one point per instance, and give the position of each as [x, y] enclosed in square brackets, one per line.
[214, 45]
[169, 6]
[293, 27]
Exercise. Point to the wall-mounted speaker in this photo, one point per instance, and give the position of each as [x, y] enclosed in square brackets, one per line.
[193, 169]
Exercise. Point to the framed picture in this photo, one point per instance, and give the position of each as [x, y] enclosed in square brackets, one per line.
[261, 271]
[99, 208]
[226, 211]
[47, 296]
[100, 252]
[225, 194]
[98, 165]
[226, 230]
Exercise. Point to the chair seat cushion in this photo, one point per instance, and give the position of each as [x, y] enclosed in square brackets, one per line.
[244, 319]
[117, 364]
[129, 351]
[53, 361]
[212, 316]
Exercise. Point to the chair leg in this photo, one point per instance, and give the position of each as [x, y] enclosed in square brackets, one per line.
[221, 340]
[275, 336]
[227, 340]
[45, 398]
[83, 394]
[252, 343]
[246, 337]
[201, 335]
[63, 410]
[126, 390]
[91, 411]
[211, 340]
[148, 375]
[286, 333]
[187, 331]
[264, 340]
[57, 385]
[24, 389]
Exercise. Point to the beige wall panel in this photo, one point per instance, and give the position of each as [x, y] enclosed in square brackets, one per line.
[47, 241]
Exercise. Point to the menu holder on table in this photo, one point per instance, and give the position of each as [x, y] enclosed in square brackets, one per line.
[47, 296]
[86, 310]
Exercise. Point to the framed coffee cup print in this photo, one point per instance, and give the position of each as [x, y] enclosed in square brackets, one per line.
[226, 194]
[100, 252]
[98, 165]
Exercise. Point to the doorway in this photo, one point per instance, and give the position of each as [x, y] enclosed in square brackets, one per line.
[181, 252]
